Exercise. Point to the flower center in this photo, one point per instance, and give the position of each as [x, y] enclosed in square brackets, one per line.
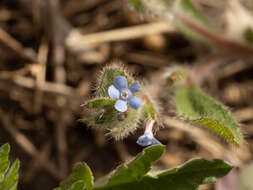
[125, 94]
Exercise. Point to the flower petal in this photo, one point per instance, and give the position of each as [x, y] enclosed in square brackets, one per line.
[120, 82]
[145, 140]
[121, 105]
[135, 87]
[155, 141]
[134, 102]
[113, 92]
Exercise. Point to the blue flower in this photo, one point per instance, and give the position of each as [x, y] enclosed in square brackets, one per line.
[147, 139]
[124, 94]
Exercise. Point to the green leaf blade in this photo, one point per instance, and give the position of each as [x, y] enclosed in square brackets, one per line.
[192, 174]
[150, 110]
[8, 175]
[100, 113]
[4, 161]
[194, 105]
[136, 169]
[219, 128]
[132, 171]
[79, 185]
[189, 176]
[81, 178]
[11, 178]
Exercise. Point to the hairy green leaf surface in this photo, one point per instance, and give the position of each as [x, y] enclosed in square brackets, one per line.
[100, 112]
[81, 178]
[8, 176]
[132, 171]
[194, 105]
[135, 175]
[4, 161]
[150, 111]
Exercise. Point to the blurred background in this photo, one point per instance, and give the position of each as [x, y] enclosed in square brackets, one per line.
[51, 52]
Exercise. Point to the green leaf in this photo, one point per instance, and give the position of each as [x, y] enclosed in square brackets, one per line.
[79, 185]
[100, 113]
[127, 123]
[8, 176]
[132, 171]
[11, 178]
[192, 174]
[81, 178]
[4, 161]
[135, 175]
[194, 105]
[150, 110]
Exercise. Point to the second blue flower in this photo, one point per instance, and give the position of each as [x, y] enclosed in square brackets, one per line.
[123, 94]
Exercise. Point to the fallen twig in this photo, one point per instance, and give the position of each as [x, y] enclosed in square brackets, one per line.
[16, 46]
[27, 145]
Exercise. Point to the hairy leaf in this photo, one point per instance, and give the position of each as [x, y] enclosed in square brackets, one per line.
[135, 175]
[150, 111]
[194, 105]
[81, 178]
[132, 171]
[8, 176]
[100, 112]
[4, 161]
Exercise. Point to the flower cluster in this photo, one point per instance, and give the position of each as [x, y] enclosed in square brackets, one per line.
[123, 94]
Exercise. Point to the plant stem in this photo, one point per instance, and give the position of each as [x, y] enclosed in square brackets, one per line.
[149, 126]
